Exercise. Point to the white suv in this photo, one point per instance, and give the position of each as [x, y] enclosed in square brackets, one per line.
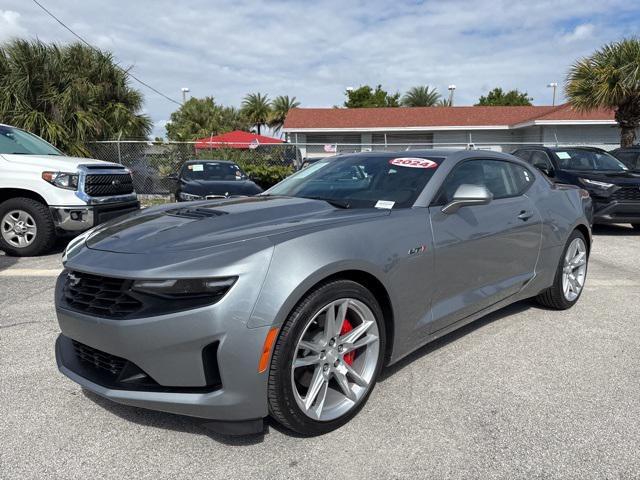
[45, 194]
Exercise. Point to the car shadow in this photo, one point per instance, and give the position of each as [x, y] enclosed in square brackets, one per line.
[445, 340]
[169, 421]
[615, 230]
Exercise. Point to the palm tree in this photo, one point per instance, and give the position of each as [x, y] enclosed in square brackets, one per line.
[257, 108]
[421, 96]
[610, 78]
[279, 109]
[69, 95]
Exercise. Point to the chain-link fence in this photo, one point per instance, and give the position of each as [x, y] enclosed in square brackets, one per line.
[154, 163]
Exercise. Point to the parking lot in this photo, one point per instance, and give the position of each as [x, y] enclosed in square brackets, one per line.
[523, 393]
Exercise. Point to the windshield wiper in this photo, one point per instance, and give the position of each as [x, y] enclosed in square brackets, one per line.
[331, 201]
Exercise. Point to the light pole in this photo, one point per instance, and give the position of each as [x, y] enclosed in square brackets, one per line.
[553, 85]
[184, 90]
[451, 88]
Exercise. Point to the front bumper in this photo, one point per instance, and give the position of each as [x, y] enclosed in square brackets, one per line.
[80, 218]
[169, 349]
[616, 212]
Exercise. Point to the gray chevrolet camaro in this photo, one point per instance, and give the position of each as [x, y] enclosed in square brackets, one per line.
[288, 304]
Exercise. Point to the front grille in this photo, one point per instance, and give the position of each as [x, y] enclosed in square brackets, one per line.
[100, 360]
[627, 194]
[101, 185]
[102, 296]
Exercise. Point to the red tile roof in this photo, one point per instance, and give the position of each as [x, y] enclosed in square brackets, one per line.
[338, 118]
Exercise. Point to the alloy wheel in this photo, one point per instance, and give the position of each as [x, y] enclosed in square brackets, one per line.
[574, 269]
[335, 359]
[18, 228]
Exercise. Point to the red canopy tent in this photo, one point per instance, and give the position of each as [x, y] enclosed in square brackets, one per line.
[236, 139]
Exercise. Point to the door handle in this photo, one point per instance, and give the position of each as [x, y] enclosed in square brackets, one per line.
[525, 215]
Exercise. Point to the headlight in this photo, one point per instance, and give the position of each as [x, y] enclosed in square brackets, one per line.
[211, 289]
[188, 197]
[594, 183]
[68, 181]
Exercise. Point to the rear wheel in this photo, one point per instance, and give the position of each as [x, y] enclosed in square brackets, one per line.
[570, 275]
[26, 227]
[327, 358]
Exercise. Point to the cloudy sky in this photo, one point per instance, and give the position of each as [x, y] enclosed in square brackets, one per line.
[314, 50]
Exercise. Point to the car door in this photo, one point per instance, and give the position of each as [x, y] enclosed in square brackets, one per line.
[483, 253]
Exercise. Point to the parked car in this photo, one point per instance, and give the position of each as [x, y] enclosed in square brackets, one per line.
[614, 188]
[289, 303]
[45, 194]
[146, 176]
[629, 156]
[206, 179]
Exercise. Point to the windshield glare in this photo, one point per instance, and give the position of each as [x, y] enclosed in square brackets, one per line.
[212, 171]
[577, 159]
[18, 142]
[362, 181]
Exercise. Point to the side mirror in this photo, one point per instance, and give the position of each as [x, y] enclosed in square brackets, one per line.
[467, 195]
[173, 177]
[547, 170]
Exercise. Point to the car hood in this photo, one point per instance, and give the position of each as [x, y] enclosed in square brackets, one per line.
[219, 187]
[615, 177]
[55, 162]
[207, 224]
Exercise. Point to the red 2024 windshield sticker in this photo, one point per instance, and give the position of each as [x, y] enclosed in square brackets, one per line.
[412, 162]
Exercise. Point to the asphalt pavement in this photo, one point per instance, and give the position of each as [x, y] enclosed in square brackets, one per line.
[523, 393]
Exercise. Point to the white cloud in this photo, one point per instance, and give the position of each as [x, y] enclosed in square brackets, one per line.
[10, 25]
[314, 50]
[581, 32]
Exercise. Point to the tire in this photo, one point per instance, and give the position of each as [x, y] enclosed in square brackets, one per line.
[555, 296]
[285, 382]
[44, 235]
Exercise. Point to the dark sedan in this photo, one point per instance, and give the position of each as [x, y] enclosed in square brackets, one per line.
[614, 188]
[207, 179]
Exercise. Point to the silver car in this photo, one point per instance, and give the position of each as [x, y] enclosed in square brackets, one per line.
[288, 304]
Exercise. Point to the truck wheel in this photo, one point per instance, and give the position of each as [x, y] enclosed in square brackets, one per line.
[26, 227]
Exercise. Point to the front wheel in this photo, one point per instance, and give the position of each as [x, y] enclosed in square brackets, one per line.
[327, 358]
[570, 275]
[26, 227]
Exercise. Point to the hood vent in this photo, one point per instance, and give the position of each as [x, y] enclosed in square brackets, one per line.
[195, 212]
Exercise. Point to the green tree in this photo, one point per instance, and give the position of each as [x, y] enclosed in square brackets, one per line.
[279, 109]
[610, 78]
[69, 95]
[367, 97]
[257, 108]
[512, 98]
[202, 117]
[421, 96]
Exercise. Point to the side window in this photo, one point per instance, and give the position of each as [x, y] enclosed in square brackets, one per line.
[540, 160]
[523, 154]
[503, 179]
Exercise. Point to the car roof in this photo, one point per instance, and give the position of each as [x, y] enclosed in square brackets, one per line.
[454, 154]
[204, 160]
[626, 149]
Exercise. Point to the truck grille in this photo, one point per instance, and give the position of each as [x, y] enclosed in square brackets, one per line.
[102, 185]
[102, 296]
[627, 194]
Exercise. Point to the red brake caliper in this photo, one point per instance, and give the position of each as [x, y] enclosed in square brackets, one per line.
[347, 327]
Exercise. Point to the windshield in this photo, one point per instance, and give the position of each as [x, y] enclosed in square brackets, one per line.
[212, 171]
[361, 181]
[578, 159]
[19, 142]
